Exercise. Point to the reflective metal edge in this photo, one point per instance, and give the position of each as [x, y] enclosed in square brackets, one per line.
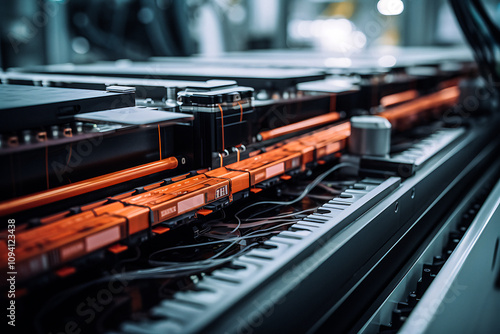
[408, 283]
[462, 296]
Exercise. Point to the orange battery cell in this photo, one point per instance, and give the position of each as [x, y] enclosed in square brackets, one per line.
[212, 190]
[153, 186]
[177, 185]
[327, 148]
[239, 180]
[54, 217]
[268, 165]
[122, 196]
[49, 246]
[325, 142]
[108, 208]
[53, 235]
[138, 217]
[93, 205]
[176, 199]
[306, 151]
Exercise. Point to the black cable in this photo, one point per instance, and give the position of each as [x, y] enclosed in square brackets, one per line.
[493, 28]
[483, 36]
[311, 186]
[158, 33]
[152, 273]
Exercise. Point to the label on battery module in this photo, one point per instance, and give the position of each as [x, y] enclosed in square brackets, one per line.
[102, 239]
[168, 212]
[191, 203]
[221, 192]
[275, 170]
[333, 147]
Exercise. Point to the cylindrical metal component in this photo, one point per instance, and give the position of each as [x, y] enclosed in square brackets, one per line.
[172, 94]
[370, 135]
[170, 98]
[54, 131]
[79, 127]
[26, 136]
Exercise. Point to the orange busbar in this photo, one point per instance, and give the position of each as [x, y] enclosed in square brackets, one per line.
[300, 126]
[404, 113]
[86, 186]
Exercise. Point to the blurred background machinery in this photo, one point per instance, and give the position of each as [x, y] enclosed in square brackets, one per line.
[59, 31]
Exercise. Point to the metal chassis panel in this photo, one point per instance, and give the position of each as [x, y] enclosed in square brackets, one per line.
[358, 252]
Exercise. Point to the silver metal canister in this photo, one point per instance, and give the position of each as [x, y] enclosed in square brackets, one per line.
[370, 135]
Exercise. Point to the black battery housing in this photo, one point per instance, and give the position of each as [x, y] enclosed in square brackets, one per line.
[223, 120]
